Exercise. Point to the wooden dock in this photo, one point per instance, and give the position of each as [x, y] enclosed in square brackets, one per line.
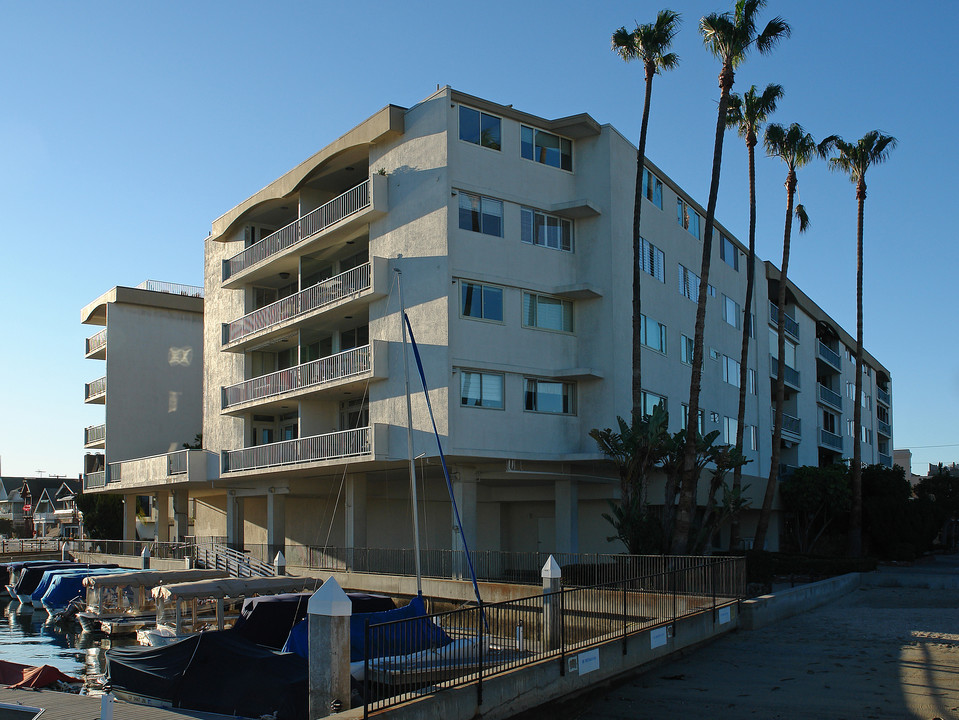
[66, 706]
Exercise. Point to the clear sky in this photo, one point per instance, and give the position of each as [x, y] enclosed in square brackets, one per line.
[127, 127]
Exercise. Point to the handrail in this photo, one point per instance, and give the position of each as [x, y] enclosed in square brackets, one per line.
[883, 427]
[829, 355]
[235, 563]
[830, 439]
[791, 326]
[792, 375]
[791, 423]
[94, 434]
[828, 396]
[171, 288]
[883, 396]
[95, 388]
[96, 342]
[330, 446]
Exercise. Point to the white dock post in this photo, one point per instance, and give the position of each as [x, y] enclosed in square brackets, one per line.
[552, 612]
[279, 564]
[329, 612]
[106, 706]
[145, 556]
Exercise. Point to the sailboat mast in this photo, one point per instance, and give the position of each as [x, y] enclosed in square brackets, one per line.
[409, 436]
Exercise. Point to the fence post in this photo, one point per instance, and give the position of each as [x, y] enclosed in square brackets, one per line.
[329, 611]
[279, 564]
[552, 615]
[145, 557]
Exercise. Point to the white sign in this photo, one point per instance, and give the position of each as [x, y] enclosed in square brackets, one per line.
[588, 661]
[657, 637]
[724, 615]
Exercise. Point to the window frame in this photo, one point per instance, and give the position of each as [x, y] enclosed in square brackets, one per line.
[652, 260]
[652, 190]
[737, 312]
[480, 116]
[534, 302]
[533, 145]
[684, 214]
[482, 373]
[686, 346]
[482, 213]
[533, 212]
[726, 248]
[482, 295]
[568, 395]
[644, 334]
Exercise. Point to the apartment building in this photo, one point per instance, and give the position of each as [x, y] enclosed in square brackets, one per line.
[507, 237]
[150, 386]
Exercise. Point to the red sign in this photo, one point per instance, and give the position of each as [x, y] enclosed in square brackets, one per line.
[27, 508]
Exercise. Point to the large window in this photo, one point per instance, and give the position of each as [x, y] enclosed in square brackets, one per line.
[546, 148]
[751, 439]
[790, 349]
[653, 188]
[651, 400]
[751, 381]
[479, 389]
[730, 425]
[546, 230]
[729, 252]
[653, 334]
[731, 311]
[730, 370]
[652, 260]
[687, 217]
[702, 419]
[550, 396]
[481, 214]
[479, 128]
[481, 301]
[689, 284]
[547, 313]
[686, 349]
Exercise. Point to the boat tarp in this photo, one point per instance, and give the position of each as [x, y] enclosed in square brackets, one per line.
[31, 576]
[269, 619]
[51, 575]
[65, 587]
[402, 638]
[15, 675]
[235, 587]
[218, 672]
[151, 578]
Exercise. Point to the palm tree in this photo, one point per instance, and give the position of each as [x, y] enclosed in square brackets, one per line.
[648, 43]
[854, 159]
[795, 147]
[747, 113]
[729, 36]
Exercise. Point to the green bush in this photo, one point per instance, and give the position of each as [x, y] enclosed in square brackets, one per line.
[762, 566]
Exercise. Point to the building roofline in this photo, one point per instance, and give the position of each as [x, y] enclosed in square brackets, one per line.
[95, 313]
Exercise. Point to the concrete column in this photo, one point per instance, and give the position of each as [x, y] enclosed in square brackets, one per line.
[129, 517]
[329, 612]
[552, 612]
[566, 494]
[355, 519]
[162, 502]
[464, 490]
[234, 520]
[276, 522]
[181, 514]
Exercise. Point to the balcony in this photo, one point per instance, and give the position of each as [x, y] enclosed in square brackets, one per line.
[349, 210]
[792, 376]
[830, 440]
[95, 480]
[95, 393]
[318, 448]
[883, 397]
[885, 460]
[829, 397]
[95, 436]
[340, 370]
[829, 356]
[883, 428]
[96, 346]
[158, 471]
[792, 327]
[792, 425]
[353, 287]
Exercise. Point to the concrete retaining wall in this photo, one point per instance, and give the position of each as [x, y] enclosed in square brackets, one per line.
[133, 562]
[766, 609]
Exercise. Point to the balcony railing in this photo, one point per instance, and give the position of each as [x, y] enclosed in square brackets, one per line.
[883, 427]
[313, 298]
[95, 389]
[95, 480]
[352, 201]
[94, 434]
[828, 355]
[792, 376]
[159, 469]
[791, 423]
[829, 397]
[176, 462]
[792, 327]
[883, 397]
[331, 446]
[830, 440]
[97, 342]
[335, 367]
[885, 460]
[171, 288]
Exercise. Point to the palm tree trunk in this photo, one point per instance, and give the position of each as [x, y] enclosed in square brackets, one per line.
[687, 495]
[637, 381]
[760, 539]
[855, 521]
[734, 532]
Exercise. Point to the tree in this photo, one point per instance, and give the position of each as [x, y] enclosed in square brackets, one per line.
[795, 147]
[896, 526]
[814, 497]
[724, 458]
[648, 43]
[729, 36]
[746, 114]
[854, 159]
[102, 515]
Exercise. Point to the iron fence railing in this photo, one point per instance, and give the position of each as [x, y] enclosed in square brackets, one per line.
[791, 375]
[885, 460]
[94, 434]
[883, 427]
[216, 556]
[93, 480]
[830, 439]
[171, 288]
[829, 397]
[158, 549]
[883, 397]
[95, 389]
[462, 647]
[331, 446]
[29, 545]
[96, 342]
[790, 324]
[828, 355]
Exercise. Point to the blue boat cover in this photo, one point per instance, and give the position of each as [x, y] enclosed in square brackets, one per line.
[64, 587]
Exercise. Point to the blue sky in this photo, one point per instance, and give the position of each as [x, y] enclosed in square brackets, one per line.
[128, 127]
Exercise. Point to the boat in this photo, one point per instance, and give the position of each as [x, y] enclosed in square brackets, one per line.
[63, 586]
[29, 578]
[15, 570]
[123, 603]
[33, 677]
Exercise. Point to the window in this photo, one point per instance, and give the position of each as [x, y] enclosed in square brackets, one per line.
[687, 217]
[686, 349]
[731, 311]
[481, 214]
[851, 390]
[750, 439]
[867, 435]
[653, 188]
[702, 419]
[729, 252]
[479, 389]
[714, 354]
[355, 337]
[730, 371]
[547, 313]
[481, 301]
[751, 381]
[543, 147]
[867, 401]
[653, 334]
[652, 260]
[651, 400]
[547, 230]
[828, 422]
[774, 349]
[867, 371]
[851, 428]
[689, 284]
[479, 128]
[730, 425]
[550, 396]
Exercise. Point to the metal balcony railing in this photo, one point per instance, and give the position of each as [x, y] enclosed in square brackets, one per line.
[829, 397]
[350, 202]
[791, 326]
[791, 424]
[176, 462]
[313, 298]
[884, 428]
[97, 342]
[335, 367]
[885, 460]
[830, 440]
[828, 355]
[331, 446]
[94, 480]
[95, 389]
[883, 397]
[792, 376]
[171, 288]
[94, 434]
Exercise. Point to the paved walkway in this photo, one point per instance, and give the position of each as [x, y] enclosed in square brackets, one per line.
[880, 652]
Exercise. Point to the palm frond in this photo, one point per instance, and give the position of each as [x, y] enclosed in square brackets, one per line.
[776, 29]
[622, 44]
[793, 145]
[802, 217]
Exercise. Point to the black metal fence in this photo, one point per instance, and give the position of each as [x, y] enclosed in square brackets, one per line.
[412, 658]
